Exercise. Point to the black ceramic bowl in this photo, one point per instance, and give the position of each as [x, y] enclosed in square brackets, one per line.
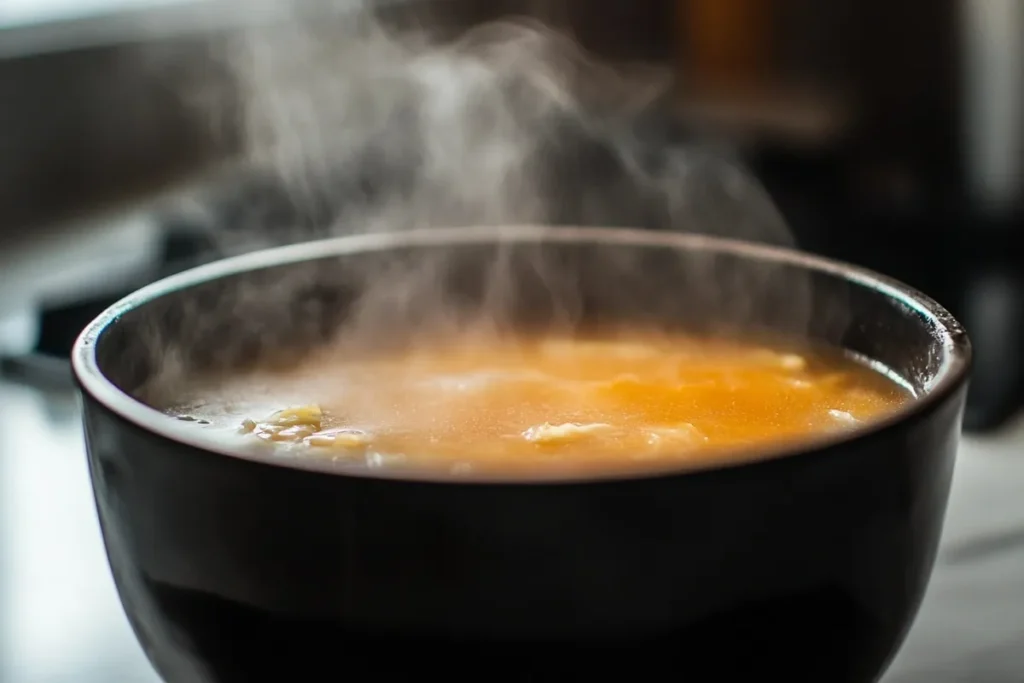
[806, 564]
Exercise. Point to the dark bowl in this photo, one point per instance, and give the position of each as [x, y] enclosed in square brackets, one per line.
[804, 563]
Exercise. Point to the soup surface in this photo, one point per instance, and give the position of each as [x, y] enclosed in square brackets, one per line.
[544, 406]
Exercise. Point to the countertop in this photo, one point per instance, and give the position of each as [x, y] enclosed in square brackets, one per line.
[60, 619]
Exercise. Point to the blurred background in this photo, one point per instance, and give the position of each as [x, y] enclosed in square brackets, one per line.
[889, 132]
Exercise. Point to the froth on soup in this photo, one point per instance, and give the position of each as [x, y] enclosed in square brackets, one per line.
[544, 406]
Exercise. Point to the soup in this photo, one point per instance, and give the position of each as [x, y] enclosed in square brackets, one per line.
[524, 407]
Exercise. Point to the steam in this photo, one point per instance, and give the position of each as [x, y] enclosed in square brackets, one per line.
[375, 129]
[360, 127]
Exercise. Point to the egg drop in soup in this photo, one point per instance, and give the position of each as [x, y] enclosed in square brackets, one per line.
[545, 406]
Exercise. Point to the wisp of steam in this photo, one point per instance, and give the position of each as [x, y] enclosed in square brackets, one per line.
[356, 126]
[375, 129]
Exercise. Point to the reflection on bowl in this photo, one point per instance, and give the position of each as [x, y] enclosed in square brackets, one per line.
[234, 565]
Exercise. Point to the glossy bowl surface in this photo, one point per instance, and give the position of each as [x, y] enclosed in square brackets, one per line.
[805, 563]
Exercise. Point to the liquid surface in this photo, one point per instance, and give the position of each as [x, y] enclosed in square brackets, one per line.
[547, 406]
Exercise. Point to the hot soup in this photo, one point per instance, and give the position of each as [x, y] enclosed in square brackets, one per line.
[520, 407]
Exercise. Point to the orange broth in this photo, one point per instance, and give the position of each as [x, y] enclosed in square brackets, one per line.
[529, 406]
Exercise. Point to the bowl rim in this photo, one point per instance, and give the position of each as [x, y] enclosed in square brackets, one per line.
[952, 373]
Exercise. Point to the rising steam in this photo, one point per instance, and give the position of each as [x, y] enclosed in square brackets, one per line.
[359, 127]
[377, 129]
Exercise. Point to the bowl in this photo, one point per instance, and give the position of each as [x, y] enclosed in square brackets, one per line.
[806, 562]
